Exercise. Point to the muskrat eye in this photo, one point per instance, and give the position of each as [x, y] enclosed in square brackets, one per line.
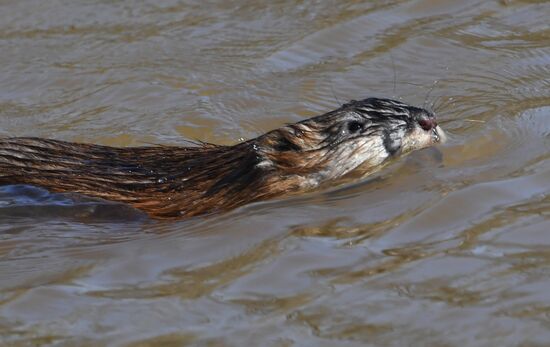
[354, 126]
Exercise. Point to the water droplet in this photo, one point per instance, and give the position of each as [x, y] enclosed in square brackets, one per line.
[161, 180]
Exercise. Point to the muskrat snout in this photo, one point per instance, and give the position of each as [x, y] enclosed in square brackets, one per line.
[427, 123]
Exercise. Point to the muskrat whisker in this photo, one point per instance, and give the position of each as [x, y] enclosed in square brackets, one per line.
[333, 93]
[429, 92]
[436, 104]
[394, 74]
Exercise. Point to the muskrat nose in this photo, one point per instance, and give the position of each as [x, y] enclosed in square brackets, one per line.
[427, 123]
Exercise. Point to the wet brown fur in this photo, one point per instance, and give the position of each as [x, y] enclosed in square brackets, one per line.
[164, 181]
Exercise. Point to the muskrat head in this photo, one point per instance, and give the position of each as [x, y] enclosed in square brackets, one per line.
[359, 135]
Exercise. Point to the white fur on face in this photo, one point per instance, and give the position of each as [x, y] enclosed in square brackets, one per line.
[368, 153]
[349, 155]
[419, 138]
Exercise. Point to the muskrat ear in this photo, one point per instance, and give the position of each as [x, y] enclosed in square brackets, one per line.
[283, 144]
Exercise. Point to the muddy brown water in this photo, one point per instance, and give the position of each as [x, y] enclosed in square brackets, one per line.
[447, 247]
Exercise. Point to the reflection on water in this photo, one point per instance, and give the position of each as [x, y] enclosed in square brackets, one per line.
[447, 248]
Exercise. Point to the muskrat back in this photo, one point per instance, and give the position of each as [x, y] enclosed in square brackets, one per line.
[175, 182]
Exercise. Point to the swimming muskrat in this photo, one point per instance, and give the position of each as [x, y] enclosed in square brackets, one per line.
[174, 182]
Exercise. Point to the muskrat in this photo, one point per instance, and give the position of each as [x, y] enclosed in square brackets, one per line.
[174, 182]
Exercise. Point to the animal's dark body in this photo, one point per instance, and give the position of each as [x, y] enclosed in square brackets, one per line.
[175, 182]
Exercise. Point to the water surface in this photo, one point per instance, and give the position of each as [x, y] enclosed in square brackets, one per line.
[442, 248]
